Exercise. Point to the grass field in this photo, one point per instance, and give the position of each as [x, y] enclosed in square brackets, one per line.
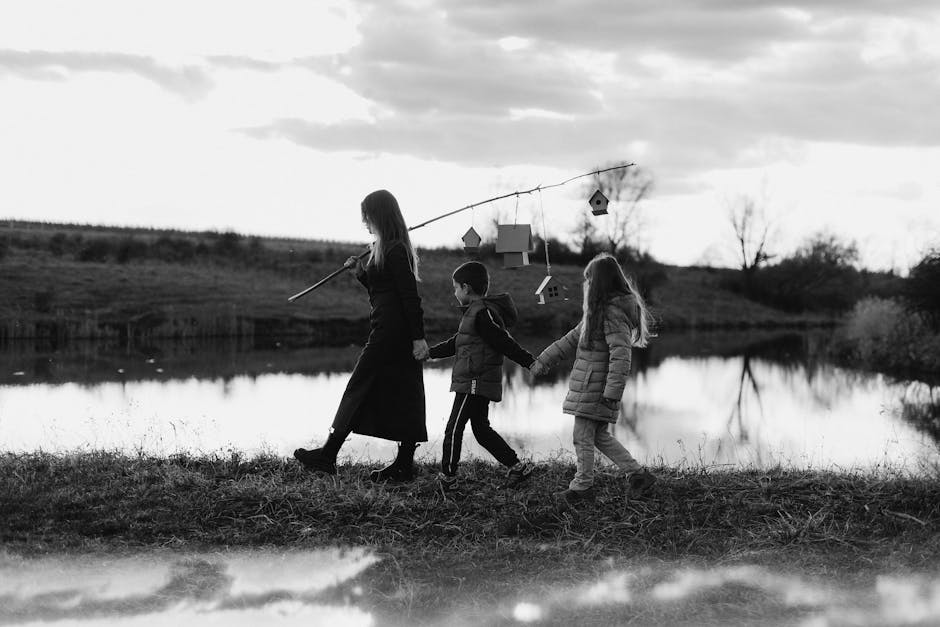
[74, 281]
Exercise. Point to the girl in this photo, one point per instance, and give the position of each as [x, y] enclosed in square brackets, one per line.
[385, 394]
[615, 318]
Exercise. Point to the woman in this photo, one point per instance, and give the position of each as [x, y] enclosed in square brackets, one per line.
[385, 394]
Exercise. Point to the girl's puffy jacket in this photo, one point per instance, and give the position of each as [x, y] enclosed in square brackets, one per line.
[601, 368]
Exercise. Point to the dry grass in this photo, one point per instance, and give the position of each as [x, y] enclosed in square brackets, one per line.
[444, 555]
[54, 502]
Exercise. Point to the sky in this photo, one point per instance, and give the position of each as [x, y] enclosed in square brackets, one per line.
[278, 117]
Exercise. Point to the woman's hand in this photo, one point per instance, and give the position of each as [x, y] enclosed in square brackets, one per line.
[354, 262]
[610, 403]
[419, 349]
[538, 368]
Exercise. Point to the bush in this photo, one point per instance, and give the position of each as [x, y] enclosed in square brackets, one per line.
[173, 249]
[130, 248]
[819, 276]
[228, 244]
[886, 335]
[58, 244]
[96, 249]
[922, 288]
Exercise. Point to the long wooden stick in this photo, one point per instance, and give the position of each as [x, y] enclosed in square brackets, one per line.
[537, 188]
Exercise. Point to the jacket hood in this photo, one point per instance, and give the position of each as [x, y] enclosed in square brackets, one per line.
[628, 304]
[503, 305]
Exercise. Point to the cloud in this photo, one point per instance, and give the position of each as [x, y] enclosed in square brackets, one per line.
[700, 85]
[189, 81]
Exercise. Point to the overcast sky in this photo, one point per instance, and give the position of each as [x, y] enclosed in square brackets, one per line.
[277, 117]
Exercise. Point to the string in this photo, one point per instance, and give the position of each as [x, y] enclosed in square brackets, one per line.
[548, 264]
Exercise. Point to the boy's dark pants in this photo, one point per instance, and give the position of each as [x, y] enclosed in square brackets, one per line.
[475, 409]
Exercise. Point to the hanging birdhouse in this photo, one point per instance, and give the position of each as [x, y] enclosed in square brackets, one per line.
[598, 203]
[551, 291]
[513, 242]
[471, 241]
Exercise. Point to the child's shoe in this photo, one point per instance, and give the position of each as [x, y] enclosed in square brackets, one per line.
[640, 482]
[447, 483]
[569, 498]
[316, 460]
[518, 473]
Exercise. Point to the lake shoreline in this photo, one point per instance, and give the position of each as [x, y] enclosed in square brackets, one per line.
[69, 502]
[813, 524]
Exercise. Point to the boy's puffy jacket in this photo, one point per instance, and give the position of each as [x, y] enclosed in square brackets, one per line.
[600, 369]
[478, 368]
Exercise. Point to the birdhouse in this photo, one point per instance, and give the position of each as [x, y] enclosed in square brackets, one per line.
[598, 203]
[471, 241]
[551, 291]
[514, 241]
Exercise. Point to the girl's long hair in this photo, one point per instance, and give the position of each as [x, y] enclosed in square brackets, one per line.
[604, 279]
[380, 210]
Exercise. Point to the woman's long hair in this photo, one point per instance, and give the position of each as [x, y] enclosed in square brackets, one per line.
[380, 211]
[604, 279]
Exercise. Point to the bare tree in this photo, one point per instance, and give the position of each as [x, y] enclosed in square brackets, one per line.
[585, 233]
[752, 231]
[625, 188]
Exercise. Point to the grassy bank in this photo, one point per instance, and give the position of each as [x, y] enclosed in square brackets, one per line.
[67, 281]
[68, 502]
[811, 522]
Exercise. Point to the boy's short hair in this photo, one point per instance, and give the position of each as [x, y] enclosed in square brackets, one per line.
[474, 274]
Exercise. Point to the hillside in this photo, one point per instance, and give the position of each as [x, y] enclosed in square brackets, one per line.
[66, 281]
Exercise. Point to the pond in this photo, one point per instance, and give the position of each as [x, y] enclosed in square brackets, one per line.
[718, 399]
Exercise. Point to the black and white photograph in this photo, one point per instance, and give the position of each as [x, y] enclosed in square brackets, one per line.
[422, 312]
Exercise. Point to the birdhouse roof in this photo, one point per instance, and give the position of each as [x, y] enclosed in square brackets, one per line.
[513, 238]
[597, 195]
[471, 237]
[545, 283]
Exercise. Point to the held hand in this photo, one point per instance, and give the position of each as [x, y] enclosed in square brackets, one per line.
[537, 369]
[352, 262]
[610, 403]
[419, 349]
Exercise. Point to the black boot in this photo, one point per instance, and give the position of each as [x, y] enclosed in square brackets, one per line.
[402, 469]
[322, 459]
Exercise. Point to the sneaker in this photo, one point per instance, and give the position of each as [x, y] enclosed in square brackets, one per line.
[447, 483]
[519, 473]
[569, 498]
[316, 460]
[641, 481]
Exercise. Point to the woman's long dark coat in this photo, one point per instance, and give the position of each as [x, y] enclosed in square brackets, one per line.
[385, 394]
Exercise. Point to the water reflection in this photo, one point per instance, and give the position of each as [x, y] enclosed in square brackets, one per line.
[248, 587]
[697, 399]
[745, 594]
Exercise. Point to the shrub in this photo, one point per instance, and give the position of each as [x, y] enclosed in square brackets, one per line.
[58, 244]
[130, 248]
[173, 249]
[922, 287]
[819, 276]
[872, 326]
[228, 244]
[885, 334]
[96, 249]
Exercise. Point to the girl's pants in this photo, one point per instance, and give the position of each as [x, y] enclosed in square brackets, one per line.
[475, 409]
[589, 434]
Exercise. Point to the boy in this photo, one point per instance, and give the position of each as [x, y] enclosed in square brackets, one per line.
[480, 343]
